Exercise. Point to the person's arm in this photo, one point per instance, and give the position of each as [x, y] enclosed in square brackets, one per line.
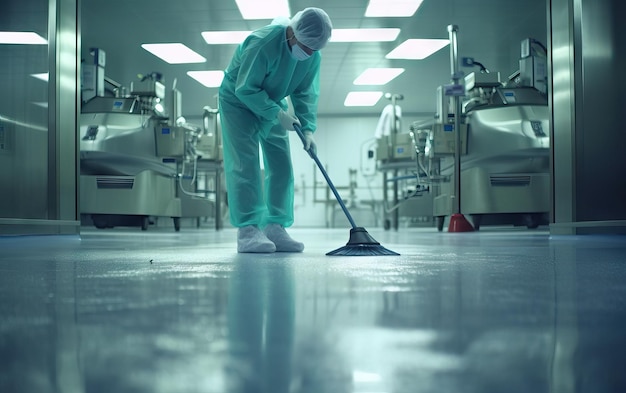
[305, 99]
[252, 71]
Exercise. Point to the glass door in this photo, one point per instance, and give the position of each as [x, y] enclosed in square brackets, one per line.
[38, 68]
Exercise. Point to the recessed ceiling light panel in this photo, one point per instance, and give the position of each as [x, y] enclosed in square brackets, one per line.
[417, 49]
[362, 98]
[364, 35]
[175, 53]
[392, 8]
[207, 78]
[378, 76]
[338, 35]
[224, 37]
[266, 9]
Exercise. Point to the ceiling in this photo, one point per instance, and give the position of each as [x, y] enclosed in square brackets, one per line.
[490, 31]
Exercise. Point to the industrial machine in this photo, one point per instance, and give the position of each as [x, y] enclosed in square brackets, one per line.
[504, 147]
[406, 198]
[201, 170]
[137, 162]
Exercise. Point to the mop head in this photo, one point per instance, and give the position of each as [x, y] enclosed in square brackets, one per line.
[361, 244]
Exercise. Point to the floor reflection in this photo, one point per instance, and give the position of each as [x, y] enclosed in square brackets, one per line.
[482, 313]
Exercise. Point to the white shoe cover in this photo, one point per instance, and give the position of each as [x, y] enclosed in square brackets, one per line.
[251, 239]
[282, 240]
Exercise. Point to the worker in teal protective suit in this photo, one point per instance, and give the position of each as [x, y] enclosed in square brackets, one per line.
[274, 62]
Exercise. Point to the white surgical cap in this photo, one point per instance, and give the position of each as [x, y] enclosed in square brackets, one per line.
[312, 27]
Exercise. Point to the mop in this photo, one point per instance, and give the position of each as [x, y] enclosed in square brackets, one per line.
[360, 243]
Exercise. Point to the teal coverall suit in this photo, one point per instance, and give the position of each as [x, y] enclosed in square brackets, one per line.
[261, 74]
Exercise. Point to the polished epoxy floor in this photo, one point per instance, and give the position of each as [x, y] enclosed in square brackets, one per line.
[500, 310]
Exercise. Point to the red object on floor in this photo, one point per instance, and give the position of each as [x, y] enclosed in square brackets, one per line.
[458, 223]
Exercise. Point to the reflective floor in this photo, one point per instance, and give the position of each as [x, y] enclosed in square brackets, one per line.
[500, 310]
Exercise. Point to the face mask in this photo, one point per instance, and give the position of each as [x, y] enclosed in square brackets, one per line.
[298, 53]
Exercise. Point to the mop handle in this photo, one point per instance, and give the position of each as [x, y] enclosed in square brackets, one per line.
[321, 167]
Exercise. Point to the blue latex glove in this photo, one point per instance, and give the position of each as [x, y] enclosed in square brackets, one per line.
[287, 120]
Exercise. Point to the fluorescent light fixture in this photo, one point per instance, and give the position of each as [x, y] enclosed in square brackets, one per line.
[377, 76]
[338, 35]
[224, 37]
[362, 376]
[208, 78]
[393, 8]
[21, 37]
[174, 53]
[417, 49]
[364, 35]
[43, 76]
[362, 98]
[266, 9]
